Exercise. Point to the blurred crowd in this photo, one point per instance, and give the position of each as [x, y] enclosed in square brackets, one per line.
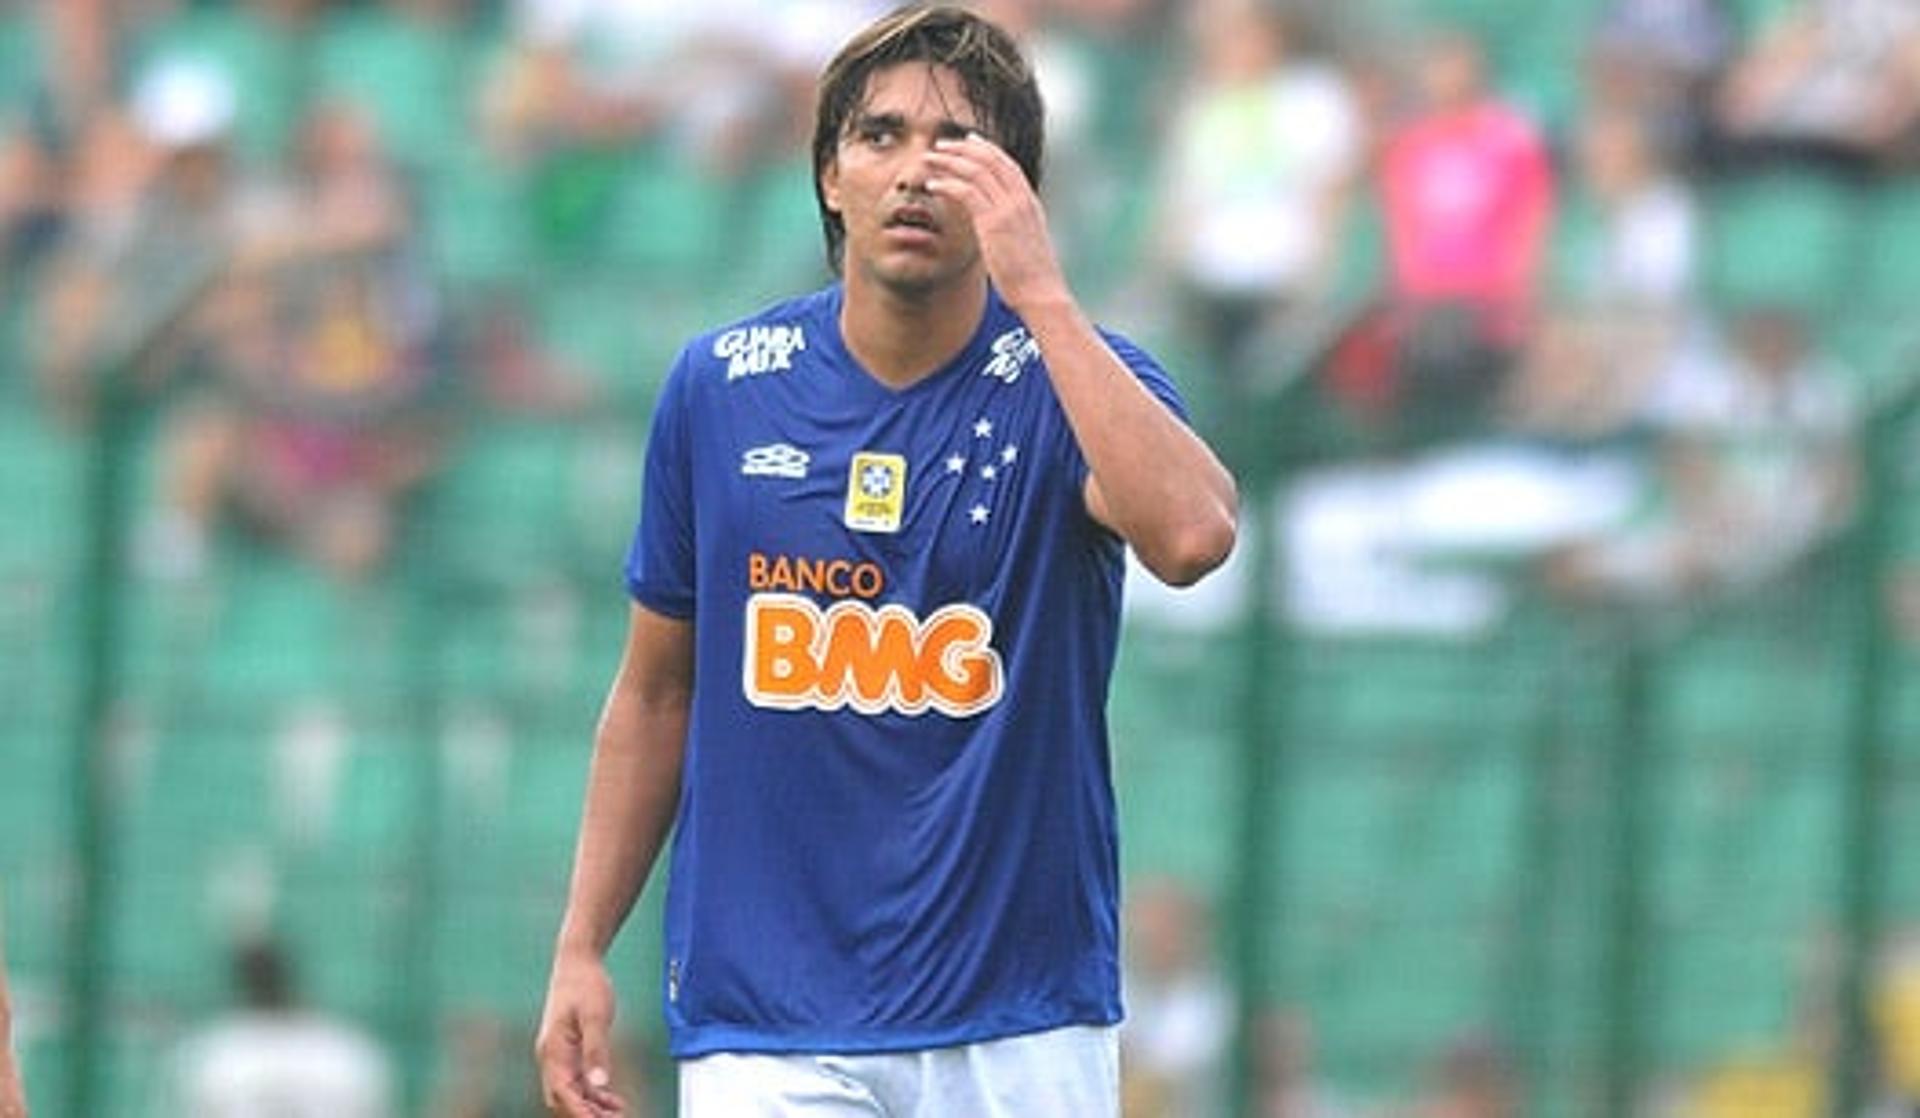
[1179, 1044]
[265, 212]
[1482, 264]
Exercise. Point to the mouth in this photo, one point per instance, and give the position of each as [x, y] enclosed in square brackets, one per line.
[913, 221]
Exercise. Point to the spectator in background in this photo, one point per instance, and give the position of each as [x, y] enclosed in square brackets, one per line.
[273, 1059]
[157, 210]
[1896, 1018]
[1657, 60]
[1754, 466]
[715, 80]
[30, 204]
[322, 344]
[500, 349]
[1474, 1079]
[1468, 193]
[1627, 292]
[722, 87]
[1179, 1023]
[1261, 156]
[1832, 84]
[1468, 196]
[1285, 1084]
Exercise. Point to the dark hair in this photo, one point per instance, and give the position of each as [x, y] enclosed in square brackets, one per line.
[997, 78]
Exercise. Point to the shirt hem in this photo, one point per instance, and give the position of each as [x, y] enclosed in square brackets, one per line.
[692, 1042]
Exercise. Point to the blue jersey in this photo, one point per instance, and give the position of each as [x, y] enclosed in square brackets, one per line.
[896, 823]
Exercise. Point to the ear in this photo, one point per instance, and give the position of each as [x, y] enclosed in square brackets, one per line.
[830, 185]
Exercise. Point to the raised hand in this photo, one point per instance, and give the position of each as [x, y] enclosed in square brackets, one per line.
[1008, 219]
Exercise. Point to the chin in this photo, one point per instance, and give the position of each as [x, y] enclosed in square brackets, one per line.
[918, 279]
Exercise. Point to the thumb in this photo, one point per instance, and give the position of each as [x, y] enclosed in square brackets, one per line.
[596, 1062]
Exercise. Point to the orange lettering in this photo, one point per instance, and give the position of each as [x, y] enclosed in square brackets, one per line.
[874, 660]
[780, 664]
[871, 655]
[782, 578]
[955, 660]
[837, 578]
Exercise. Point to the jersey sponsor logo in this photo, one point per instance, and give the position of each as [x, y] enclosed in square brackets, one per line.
[1013, 351]
[775, 460]
[873, 660]
[753, 350]
[876, 492]
[841, 578]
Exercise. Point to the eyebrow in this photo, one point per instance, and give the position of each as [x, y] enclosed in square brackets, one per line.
[948, 129]
[866, 122]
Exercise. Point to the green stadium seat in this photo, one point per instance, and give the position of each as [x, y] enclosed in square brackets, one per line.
[665, 220]
[418, 80]
[476, 224]
[1781, 238]
[1889, 267]
[20, 53]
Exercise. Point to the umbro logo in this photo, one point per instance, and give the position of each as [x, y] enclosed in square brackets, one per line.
[775, 460]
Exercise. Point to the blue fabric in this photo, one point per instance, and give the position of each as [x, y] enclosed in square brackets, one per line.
[896, 828]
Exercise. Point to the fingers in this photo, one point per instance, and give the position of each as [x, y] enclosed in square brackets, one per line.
[588, 1096]
[989, 156]
[557, 1053]
[977, 163]
[597, 1080]
[574, 1076]
[946, 184]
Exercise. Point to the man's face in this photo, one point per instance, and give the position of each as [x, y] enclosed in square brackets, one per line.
[898, 235]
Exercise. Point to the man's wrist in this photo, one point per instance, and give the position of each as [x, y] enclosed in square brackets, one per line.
[1049, 310]
[578, 943]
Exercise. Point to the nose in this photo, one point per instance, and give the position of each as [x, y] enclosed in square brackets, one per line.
[911, 178]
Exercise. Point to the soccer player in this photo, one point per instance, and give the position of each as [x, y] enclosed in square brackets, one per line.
[876, 593]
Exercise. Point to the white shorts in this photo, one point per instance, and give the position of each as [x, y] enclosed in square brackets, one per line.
[1064, 1073]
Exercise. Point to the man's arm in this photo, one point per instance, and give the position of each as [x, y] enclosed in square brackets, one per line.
[633, 792]
[1152, 479]
[13, 1100]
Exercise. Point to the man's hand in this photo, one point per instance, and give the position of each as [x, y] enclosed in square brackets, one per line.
[576, 1068]
[1007, 218]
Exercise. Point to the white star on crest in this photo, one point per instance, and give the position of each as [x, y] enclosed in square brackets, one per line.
[983, 429]
[988, 473]
[956, 464]
[1010, 454]
[977, 514]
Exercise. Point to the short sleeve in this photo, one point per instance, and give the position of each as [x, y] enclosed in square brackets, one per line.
[1150, 373]
[661, 561]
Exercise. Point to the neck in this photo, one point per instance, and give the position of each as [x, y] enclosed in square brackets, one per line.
[902, 337]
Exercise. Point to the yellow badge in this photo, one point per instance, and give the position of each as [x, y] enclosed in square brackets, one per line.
[876, 492]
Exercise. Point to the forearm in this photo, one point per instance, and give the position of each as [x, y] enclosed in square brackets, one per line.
[633, 790]
[1153, 480]
[1157, 483]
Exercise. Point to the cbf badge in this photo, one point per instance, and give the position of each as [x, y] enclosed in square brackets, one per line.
[876, 492]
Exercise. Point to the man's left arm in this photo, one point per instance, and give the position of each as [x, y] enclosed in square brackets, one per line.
[13, 1100]
[1151, 480]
